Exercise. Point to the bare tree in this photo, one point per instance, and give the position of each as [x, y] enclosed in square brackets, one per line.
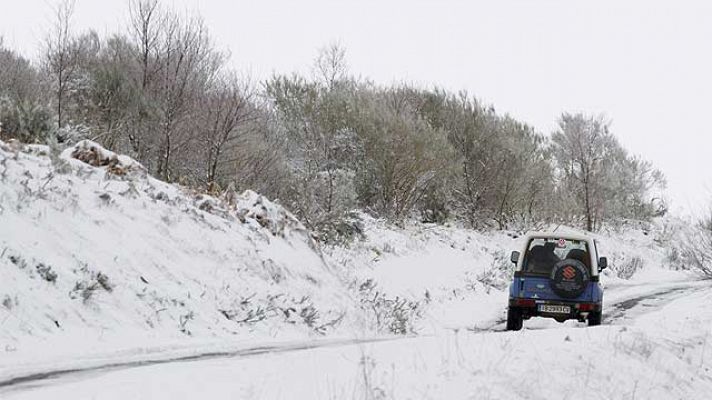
[694, 250]
[188, 66]
[313, 115]
[114, 99]
[330, 65]
[227, 109]
[146, 26]
[256, 157]
[589, 157]
[60, 58]
[146, 19]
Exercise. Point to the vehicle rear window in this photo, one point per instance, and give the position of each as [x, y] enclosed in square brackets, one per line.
[542, 254]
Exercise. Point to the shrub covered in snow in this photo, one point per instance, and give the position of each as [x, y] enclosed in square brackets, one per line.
[693, 250]
[395, 315]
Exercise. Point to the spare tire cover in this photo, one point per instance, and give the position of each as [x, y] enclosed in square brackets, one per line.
[569, 278]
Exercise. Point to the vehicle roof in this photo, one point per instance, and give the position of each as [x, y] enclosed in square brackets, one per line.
[558, 235]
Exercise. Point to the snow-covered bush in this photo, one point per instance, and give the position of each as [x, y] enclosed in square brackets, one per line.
[395, 315]
[8, 302]
[18, 260]
[341, 231]
[46, 272]
[25, 121]
[90, 281]
[258, 308]
[627, 267]
[499, 275]
[695, 249]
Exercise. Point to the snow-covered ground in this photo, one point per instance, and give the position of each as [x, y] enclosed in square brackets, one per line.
[659, 351]
[116, 285]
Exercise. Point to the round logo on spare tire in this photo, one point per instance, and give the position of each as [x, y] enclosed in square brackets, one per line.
[569, 272]
[569, 278]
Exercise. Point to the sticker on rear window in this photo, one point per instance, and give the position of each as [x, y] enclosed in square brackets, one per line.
[562, 243]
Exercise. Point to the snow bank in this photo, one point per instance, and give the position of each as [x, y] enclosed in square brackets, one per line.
[95, 254]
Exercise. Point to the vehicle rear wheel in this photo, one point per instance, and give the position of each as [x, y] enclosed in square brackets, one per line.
[594, 319]
[514, 319]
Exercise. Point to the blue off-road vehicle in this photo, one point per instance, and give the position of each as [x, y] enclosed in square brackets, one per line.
[556, 276]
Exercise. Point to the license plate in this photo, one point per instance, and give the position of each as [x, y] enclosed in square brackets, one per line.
[547, 308]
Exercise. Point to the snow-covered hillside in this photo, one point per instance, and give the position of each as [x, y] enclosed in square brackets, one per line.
[95, 254]
[103, 265]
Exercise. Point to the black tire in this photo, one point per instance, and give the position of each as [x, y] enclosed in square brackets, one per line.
[514, 319]
[594, 318]
[569, 278]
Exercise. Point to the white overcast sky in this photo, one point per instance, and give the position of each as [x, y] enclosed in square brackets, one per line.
[646, 65]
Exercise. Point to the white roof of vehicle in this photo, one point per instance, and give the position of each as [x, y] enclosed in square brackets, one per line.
[559, 235]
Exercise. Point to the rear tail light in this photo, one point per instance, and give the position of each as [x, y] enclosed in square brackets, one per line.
[586, 307]
[525, 302]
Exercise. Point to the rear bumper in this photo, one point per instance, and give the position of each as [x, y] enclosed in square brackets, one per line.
[532, 308]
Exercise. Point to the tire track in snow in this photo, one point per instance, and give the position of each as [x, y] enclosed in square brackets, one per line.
[34, 379]
[648, 303]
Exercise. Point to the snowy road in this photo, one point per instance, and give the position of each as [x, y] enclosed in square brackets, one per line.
[653, 344]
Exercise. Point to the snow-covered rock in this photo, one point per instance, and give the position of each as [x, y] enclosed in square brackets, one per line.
[93, 154]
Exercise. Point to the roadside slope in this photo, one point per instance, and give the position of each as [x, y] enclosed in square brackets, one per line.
[95, 254]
